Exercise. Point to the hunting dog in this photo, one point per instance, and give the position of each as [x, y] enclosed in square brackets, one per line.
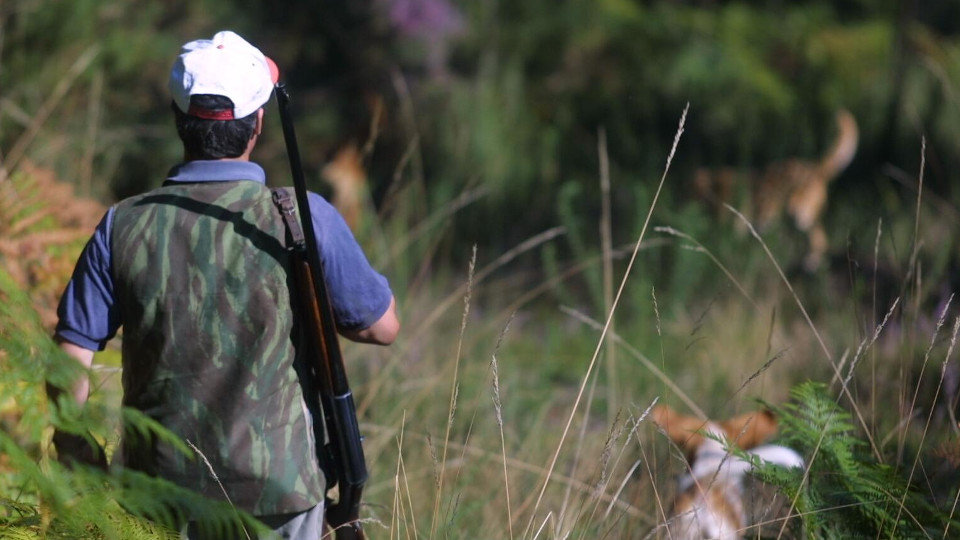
[347, 176]
[710, 503]
[796, 187]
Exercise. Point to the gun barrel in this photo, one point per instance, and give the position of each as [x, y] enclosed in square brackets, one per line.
[340, 414]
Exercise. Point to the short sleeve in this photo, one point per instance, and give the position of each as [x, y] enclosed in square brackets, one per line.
[87, 312]
[359, 294]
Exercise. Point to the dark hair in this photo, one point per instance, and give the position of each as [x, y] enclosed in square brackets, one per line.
[213, 139]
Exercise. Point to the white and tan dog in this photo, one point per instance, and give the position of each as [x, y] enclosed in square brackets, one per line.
[710, 501]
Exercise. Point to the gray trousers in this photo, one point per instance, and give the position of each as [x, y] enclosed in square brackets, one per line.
[306, 525]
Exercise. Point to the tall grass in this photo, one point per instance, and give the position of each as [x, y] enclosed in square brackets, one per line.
[716, 355]
[468, 425]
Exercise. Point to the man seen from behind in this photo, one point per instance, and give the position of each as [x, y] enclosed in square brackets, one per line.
[198, 275]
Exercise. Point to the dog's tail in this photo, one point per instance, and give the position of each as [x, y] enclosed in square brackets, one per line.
[844, 146]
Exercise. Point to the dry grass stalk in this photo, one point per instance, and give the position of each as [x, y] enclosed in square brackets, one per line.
[640, 358]
[766, 365]
[662, 517]
[514, 464]
[543, 525]
[916, 223]
[864, 346]
[873, 320]
[813, 328]
[417, 231]
[700, 248]
[46, 109]
[550, 284]
[923, 367]
[498, 410]
[617, 428]
[568, 522]
[482, 274]
[606, 249]
[783, 277]
[434, 459]
[413, 155]
[656, 313]
[398, 501]
[393, 190]
[213, 473]
[453, 390]
[396, 480]
[385, 375]
[953, 510]
[406, 484]
[914, 278]
[578, 450]
[623, 485]
[758, 525]
[576, 404]
[476, 409]
[375, 120]
[635, 422]
[861, 349]
[936, 395]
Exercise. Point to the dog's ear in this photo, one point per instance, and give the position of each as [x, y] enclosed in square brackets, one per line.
[750, 429]
[682, 430]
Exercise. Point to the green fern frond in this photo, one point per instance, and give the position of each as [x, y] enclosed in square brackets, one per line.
[81, 502]
[846, 492]
[19, 533]
[146, 429]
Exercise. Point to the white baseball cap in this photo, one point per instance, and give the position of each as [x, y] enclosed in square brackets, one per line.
[225, 66]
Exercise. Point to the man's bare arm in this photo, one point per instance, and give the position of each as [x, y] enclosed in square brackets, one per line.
[73, 447]
[85, 356]
[382, 332]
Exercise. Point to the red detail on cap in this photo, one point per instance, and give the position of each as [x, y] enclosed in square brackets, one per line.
[209, 114]
[274, 70]
[219, 46]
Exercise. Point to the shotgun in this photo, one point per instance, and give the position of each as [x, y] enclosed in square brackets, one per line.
[343, 452]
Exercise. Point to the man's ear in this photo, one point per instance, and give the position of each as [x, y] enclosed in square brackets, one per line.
[259, 126]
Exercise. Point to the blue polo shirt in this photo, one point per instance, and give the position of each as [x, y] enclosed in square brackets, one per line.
[88, 310]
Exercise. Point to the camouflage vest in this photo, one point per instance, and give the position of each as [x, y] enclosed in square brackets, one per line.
[201, 278]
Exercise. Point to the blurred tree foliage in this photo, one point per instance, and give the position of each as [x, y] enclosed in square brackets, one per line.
[505, 95]
[764, 80]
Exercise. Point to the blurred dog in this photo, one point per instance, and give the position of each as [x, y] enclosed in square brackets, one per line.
[710, 503]
[347, 176]
[796, 187]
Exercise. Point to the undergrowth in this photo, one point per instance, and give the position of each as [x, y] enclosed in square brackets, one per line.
[42, 498]
[488, 419]
[844, 491]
